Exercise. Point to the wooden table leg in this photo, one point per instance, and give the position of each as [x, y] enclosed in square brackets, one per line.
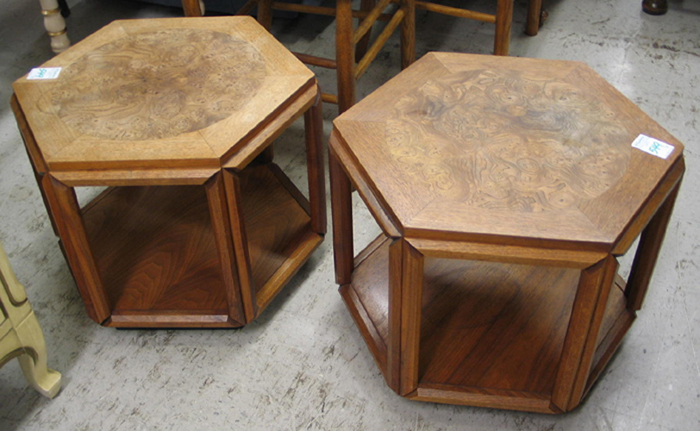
[66, 213]
[240, 244]
[584, 325]
[408, 294]
[341, 205]
[648, 252]
[313, 126]
[221, 226]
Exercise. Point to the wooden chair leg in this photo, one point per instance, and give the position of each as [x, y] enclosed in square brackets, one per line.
[193, 7]
[344, 52]
[534, 10]
[408, 33]
[504, 18]
[265, 13]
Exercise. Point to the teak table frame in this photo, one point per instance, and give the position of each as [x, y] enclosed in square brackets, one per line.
[179, 241]
[513, 322]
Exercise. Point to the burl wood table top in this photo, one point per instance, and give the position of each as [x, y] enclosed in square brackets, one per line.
[161, 93]
[475, 148]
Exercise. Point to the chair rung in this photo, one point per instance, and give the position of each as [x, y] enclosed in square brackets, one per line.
[316, 61]
[329, 98]
[369, 21]
[453, 11]
[320, 10]
[246, 8]
[363, 64]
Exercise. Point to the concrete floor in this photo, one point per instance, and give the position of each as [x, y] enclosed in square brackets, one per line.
[303, 364]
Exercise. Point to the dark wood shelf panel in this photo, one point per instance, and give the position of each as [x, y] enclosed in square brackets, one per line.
[156, 253]
[368, 298]
[274, 217]
[617, 321]
[155, 250]
[492, 330]
[494, 325]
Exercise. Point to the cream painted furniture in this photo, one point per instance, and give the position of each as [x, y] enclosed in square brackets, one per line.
[55, 25]
[20, 333]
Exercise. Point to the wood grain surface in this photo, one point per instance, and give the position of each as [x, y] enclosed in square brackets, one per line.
[489, 325]
[491, 334]
[159, 110]
[166, 93]
[510, 328]
[492, 139]
[139, 88]
[275, 222]
[155, 249]
[464, 146]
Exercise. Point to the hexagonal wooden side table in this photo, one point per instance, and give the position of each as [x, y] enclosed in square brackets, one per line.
[505, 189]
[197, 228]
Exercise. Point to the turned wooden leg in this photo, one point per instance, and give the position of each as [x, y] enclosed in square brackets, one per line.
[504, 18]
[55, 25]
[344, 51]
[34, 363]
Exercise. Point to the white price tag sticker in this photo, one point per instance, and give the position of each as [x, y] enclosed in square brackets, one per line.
[653, 146]
[44, 73]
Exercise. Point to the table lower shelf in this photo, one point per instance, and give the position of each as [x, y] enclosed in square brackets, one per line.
[157, 257]
[492, 334]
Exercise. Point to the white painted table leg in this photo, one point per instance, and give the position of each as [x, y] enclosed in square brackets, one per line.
[55, 25]
[21, 335]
